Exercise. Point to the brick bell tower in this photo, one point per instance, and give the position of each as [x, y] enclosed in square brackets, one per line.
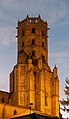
[32, 40]
[32, 80]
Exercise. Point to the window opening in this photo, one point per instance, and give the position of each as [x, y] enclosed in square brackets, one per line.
[43, 58]
[15, 112]
[33, 53]
[36, 21]
[34, 74]
[30, 20]
[43, 44]
[42, 33]
[32, 41]
[45, 98]
[22, 44]
[3, 100]
[23, 33]
[33, 30]
[34, 80]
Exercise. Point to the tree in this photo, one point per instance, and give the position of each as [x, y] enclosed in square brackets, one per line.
[65, 102]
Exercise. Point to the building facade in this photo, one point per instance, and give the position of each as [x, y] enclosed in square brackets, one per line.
[32, 82]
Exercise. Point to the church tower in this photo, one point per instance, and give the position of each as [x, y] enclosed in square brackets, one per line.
[32, 80]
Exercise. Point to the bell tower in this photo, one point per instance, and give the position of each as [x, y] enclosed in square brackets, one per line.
[32, 80]
[32, 40]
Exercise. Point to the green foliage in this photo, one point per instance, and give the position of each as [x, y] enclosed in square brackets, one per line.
[64, 102]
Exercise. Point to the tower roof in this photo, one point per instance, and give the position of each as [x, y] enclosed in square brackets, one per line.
[33, 19]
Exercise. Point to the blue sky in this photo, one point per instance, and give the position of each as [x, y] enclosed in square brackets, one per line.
[56, 12]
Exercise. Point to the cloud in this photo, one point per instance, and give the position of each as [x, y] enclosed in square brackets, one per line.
[51, 10]
[7, 2]
[54, 11]
[1, 15]
[57, 11]
[58, 54]
[7, 35]
[3, 82]
[59, 58]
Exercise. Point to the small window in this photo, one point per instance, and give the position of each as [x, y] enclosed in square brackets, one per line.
[3, 100]
[15, 112]
[22, 44]
[34, 74]
[42, 33]
[32, 41]
[45, 99]
[33, 30]
[36, 21]
[43, 59]
[34, 80]
[43, 44]
[33, 53]
[30, 20]
[23, 33]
